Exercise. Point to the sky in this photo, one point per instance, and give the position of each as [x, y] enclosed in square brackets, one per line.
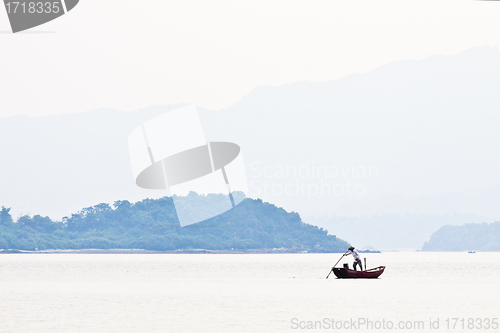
[128, 55]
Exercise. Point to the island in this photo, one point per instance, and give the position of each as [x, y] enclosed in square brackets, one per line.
[468, 237]
[152, 225]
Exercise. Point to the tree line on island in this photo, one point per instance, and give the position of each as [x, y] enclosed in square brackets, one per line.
[152, 224]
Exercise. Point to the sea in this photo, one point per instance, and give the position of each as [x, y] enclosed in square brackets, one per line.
[418, 292]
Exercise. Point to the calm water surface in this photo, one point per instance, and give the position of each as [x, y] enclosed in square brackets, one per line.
[239, 293]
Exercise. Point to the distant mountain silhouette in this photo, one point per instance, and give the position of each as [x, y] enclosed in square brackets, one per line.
[390, 231]
[429, 128]
[467, 237]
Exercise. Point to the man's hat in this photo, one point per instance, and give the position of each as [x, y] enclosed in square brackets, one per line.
[351, 248]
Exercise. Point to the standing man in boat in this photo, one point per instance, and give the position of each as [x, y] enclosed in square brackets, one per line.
[357, 259]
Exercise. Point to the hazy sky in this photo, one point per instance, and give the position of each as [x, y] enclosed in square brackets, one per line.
[130, 54]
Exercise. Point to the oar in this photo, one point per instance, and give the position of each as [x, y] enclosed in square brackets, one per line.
[336, 264]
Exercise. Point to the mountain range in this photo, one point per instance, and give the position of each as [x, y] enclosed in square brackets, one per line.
[414, 137]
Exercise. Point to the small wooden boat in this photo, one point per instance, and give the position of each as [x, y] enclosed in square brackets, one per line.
[347, 273]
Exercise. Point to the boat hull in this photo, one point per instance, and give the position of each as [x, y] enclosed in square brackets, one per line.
[345, 273]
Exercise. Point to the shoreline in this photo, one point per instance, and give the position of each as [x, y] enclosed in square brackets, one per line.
[193, 251]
